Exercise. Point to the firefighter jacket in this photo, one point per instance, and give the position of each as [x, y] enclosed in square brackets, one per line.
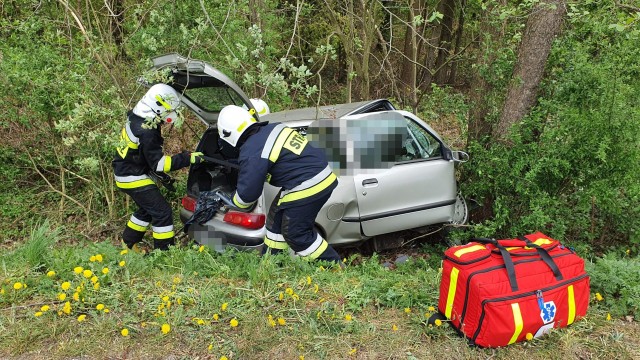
[282, 157]
[140, 152]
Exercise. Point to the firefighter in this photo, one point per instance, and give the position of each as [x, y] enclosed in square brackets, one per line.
[284, 158]
[139, 157]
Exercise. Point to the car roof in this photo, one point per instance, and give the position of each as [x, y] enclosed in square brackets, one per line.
[310, 114]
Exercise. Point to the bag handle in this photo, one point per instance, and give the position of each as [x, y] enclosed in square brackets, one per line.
[506, 257]
[544, 255]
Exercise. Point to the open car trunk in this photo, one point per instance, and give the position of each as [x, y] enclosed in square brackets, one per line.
[211, 176]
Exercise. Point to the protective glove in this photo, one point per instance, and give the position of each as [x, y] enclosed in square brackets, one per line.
[196, 158]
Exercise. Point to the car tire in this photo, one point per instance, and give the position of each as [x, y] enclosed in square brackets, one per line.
[460, 211]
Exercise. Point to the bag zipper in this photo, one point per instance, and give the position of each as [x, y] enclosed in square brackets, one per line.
[529, 293]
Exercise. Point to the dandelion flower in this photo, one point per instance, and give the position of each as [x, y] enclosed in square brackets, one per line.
[51, 273]
[62, 296]
[122, 263]
[223, 358]
[353, 351]
[78, 269]
[94, 279]
[315, 288]
[200, 322]
[38, 314]
[106, 310]
[233, 322]
[67, 308]
[44, 308]
[348, 317]
[201, 248]
[301, 357]
[289, 291]
[65, 285]
[124, 252]
[210, 347]
[92, 258]
[179, 301]
[407, 310]
[280, 296]
[165, 298]
[431, 308]
[82, 317]
[271, 322]
[438, 322]
[124, 332]
[96, 286]
[394, 327]
[177, 280]
[99, 258]
[295, 297]
[224, 306]
[100, 307]
[165, 328]
[608, 317]
[282, 322]
[17, 285]
[308, 280]
[216, 317]
[529, 336]
[599, 297]
[76, 296]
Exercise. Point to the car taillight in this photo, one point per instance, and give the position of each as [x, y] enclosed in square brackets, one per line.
[189, 203]
[246, 220]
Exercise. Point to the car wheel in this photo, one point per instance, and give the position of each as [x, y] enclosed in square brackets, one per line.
[460, 211]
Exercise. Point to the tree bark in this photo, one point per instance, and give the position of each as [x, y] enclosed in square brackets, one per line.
[448, 8]
[542, 26]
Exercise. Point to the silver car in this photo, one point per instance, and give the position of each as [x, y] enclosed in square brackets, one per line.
[395, 172]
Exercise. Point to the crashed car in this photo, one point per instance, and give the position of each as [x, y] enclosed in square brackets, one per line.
[395, 172]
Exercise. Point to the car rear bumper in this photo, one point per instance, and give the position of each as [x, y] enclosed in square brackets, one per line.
[219, 235]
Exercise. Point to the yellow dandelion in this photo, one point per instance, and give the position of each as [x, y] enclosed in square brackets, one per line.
[200, 322]
[143, 324]
[78, 269]
[394, 327]
[407, 310]
[99, 258]
[51, 273]
[348, 317]
[96, 286]
[438, 322]
[280, 296]
[282, 322]
[431, 308]
[92, 258]
[122, 263]
[179, 301]
[608, 317]
[288, 291]
[17, 286]
[94, 279]
[295, 297]
[599, 297]
[62, 296]
[271, 322]
[165, 328]
[224, 306]
[223, 358]
[322, 268]
[201, 248]
[177, 280]
[44, 308]
[100, 307]
[233, 322]
[216, 317]
[65, 285]
[67, 308]
[210, 347]
[301, 357]
[315, 288]
[38, 314]
[165, 298]
[106, 310]
[353, 351]
[308, 280]
[82, 317]
[124, 332]
[529, 336]
[124, 252]
[79, 288]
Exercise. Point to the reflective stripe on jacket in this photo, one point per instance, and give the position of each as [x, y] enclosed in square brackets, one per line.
[284, 157]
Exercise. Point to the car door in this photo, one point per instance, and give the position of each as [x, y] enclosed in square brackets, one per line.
[414, 185]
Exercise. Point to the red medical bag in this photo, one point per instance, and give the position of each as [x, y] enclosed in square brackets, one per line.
[498, 292]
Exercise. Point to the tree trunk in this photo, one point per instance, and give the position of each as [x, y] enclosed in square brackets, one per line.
[458, 37]
[542, 26]
[448, 8]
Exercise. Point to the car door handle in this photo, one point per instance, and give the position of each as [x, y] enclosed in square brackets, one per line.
[370, 182]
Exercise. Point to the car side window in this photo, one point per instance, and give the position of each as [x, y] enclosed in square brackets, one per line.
[419, 144]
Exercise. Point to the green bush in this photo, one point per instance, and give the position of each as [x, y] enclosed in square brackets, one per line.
[617, 280]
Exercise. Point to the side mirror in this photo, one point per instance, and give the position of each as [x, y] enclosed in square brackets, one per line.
[460, 156]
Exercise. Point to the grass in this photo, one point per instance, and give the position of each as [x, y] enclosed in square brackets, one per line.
[285, 309]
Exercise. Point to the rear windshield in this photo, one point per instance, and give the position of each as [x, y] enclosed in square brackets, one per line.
[213, 99]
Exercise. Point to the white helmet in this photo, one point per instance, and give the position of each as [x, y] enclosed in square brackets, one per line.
[260, 105]
[162, 101]
[232, 122]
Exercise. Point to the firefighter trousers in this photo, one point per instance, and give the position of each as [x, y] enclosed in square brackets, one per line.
[153, 209]
[293, 227]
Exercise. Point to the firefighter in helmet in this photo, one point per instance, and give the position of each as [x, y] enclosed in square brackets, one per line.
[284, 158]
[140, 156]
